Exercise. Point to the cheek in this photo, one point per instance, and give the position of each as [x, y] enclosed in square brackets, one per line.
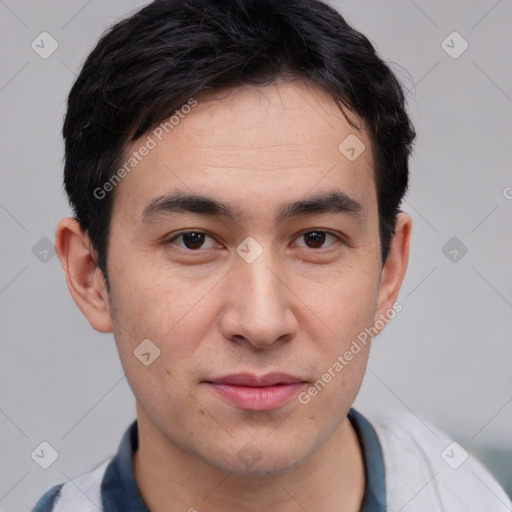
[175, 318]
[153, 303]
[341, 309]
[344, 304]
[340, 365]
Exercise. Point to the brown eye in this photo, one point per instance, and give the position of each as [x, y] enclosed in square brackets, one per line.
[192, 240]
[315, 239]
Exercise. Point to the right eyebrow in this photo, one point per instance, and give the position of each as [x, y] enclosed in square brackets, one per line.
[181, 202]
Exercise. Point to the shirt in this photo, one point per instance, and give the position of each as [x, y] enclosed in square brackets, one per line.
[410, 466]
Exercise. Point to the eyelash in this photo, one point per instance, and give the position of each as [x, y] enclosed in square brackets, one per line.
[322, 231]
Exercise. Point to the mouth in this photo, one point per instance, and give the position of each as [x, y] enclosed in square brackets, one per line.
[257, 393]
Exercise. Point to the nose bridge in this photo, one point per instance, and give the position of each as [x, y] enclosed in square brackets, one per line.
[262, 286]
[260, 310]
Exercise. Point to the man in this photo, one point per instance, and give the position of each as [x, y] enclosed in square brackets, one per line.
[236, 171]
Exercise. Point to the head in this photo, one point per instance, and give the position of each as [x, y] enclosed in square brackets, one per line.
[236, 171]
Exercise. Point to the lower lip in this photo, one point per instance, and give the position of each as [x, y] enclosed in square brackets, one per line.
[257, 398]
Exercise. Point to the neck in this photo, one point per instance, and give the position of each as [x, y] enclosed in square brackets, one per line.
[172, 480]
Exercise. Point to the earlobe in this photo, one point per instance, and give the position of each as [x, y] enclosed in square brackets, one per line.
[84, 279]
[395, 266]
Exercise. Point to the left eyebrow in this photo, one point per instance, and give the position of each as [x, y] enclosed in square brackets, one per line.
[335, 201]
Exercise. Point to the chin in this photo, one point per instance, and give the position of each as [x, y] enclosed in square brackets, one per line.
[249, 460]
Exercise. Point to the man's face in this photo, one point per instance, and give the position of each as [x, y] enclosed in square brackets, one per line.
[213, 308]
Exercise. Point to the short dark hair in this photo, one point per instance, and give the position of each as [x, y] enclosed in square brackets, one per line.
[147, 66]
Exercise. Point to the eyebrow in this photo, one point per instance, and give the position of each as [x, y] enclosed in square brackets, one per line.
[335, 201]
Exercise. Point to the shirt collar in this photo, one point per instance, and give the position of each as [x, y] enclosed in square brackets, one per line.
[119, 489]
[374, 499]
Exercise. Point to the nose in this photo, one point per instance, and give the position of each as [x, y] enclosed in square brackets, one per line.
[259, 309]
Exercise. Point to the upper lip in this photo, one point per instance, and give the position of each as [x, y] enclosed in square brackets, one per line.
[247, 379]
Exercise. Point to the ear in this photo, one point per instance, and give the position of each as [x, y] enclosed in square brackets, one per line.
[84, 278]
[394, 268]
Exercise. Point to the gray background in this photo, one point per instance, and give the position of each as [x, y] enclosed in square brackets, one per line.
[446, 356]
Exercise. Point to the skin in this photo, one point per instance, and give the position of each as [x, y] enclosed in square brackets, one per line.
[296, 308]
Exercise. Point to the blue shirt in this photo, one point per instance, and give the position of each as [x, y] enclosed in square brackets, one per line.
[119, 490]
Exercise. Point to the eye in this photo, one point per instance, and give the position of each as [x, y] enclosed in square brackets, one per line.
[316, 239]
[193, 240]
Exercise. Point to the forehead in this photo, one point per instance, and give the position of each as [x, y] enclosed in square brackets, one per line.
[251, 144]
